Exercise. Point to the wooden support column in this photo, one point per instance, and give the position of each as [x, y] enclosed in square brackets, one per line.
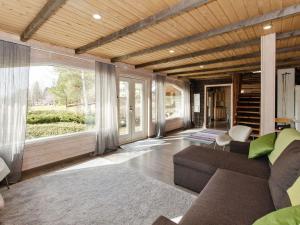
[268, 77]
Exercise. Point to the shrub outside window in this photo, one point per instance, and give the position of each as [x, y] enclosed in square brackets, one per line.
[61, 100]
[173, 101]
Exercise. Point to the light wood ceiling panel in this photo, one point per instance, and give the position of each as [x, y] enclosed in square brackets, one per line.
[73, 26]
[282, 25]
[15, 15]
[208, 13]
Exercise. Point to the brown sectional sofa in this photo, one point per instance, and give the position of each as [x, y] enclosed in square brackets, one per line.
[233, 189]
[193, 167]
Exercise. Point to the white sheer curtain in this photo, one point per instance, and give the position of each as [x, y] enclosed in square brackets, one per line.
[187, 105]
[160, 106]
[14, 78]
[106, 108]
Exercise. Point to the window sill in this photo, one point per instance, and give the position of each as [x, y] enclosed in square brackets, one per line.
[59, 137]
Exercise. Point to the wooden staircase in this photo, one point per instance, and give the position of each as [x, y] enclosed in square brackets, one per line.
[248, 105]
[248, 111]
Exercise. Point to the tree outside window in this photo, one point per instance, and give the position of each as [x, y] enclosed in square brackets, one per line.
[61, 100]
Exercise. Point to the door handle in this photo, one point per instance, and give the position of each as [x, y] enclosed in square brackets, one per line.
[130, 108]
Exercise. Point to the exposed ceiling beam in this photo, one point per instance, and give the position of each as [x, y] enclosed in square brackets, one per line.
[277, 14]
[255, 41]
[228, 59]
[182, 6]
[213, 77]
[190, 73]
[253, 68]
[241, 71]
[44, 14]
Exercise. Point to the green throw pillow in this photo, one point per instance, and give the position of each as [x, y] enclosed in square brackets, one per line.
[284, 138]
[294, 192]
[285, 216]
[262, 146]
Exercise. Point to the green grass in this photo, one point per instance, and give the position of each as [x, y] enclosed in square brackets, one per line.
[53, 129]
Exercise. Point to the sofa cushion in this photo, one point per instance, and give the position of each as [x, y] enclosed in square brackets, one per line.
[284, 174]
[230, 198]
[208, 160]
[284, 138]
[262, 146]
[286, 216]
[294, 193]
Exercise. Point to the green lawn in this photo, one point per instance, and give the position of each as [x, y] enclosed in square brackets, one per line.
[53, 129]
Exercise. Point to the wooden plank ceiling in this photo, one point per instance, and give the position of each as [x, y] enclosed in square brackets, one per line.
[72, 26]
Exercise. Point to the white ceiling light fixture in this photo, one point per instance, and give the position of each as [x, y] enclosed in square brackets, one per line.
[201, 66]
[267, 27]
[171, 51]
[97, 17]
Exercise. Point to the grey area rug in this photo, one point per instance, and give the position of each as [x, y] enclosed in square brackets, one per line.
[107, 195]
[143, 144]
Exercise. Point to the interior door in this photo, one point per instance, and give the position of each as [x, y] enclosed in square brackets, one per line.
[132, 110]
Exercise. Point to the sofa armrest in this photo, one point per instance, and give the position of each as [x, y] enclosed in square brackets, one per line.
[239, 147]
[163, 221]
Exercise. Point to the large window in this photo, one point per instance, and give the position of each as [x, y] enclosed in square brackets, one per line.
[61, 100]
[173, 101]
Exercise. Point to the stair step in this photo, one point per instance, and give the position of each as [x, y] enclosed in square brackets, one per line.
[249, 117]
[247, 122]
[249, 96]
[249, 112]
[248, 107]
[255, 129]
[249, 102]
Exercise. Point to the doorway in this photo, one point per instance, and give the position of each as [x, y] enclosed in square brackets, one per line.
[132, 110]
[218, 108]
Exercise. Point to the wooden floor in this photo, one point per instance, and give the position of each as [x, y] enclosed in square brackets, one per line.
[219, 125]
[156, 162]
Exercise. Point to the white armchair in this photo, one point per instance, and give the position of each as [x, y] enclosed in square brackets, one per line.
[4, 171]
[236, 133]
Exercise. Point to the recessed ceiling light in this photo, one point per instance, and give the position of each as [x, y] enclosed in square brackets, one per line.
[201, 66]
[171, 51]
[97, 17]
[267, 27]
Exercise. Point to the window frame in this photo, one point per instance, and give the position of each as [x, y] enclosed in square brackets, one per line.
[181, 99]
[66, 135]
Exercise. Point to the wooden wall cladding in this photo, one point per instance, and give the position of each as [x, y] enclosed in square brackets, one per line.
[43, 152]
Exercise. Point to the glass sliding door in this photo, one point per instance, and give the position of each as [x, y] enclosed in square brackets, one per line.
[132, 110]
[138, 107]
[124, 105]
